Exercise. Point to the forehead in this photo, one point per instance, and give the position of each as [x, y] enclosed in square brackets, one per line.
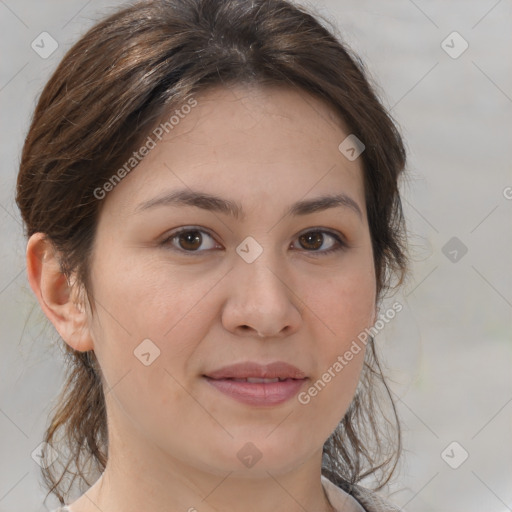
[276, 114]
[250, 141]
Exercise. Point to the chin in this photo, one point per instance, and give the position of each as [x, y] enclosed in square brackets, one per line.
[254, 457]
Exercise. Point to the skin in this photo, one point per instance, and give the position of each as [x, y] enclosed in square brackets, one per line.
[174, 439]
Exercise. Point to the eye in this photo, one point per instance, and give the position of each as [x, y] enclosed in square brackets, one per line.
[188, 239]
[314, 239]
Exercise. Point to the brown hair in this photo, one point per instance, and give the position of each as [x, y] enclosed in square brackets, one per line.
[106, 95]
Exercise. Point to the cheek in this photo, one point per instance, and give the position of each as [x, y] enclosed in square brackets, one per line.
[148, 324]
[149, 299]
[341, 309]
[343, 304]
[149, 314]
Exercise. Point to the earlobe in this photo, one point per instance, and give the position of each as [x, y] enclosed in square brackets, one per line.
[55, 294]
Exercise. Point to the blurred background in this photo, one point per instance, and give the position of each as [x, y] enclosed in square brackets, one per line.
[444, 71]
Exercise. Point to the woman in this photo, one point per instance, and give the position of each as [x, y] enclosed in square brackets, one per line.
[210, 194]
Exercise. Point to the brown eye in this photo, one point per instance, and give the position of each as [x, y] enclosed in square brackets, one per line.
[189, 240]
[313, 240]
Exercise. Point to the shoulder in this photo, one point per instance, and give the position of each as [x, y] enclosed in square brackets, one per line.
[367, 501]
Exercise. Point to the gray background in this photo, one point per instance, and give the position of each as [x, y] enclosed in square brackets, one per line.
[449, 351]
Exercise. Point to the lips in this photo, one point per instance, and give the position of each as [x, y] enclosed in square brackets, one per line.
[258, 384]
[250, 370]
[254, 380]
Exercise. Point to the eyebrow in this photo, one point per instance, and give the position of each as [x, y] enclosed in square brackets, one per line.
[210, 202]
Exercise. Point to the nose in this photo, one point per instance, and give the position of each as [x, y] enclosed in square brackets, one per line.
[261, 299]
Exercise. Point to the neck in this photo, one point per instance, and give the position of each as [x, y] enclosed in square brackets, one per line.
[142, 478]
[140, 475]
[207, 494]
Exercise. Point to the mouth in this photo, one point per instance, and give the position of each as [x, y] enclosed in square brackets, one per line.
[256, 384]
[252, 370]
[254, 380]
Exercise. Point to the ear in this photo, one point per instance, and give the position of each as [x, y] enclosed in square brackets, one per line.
[56, 295]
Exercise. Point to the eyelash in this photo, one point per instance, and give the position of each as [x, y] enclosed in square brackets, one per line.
[339, 245]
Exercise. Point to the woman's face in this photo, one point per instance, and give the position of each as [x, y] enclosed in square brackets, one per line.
[271, 284]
